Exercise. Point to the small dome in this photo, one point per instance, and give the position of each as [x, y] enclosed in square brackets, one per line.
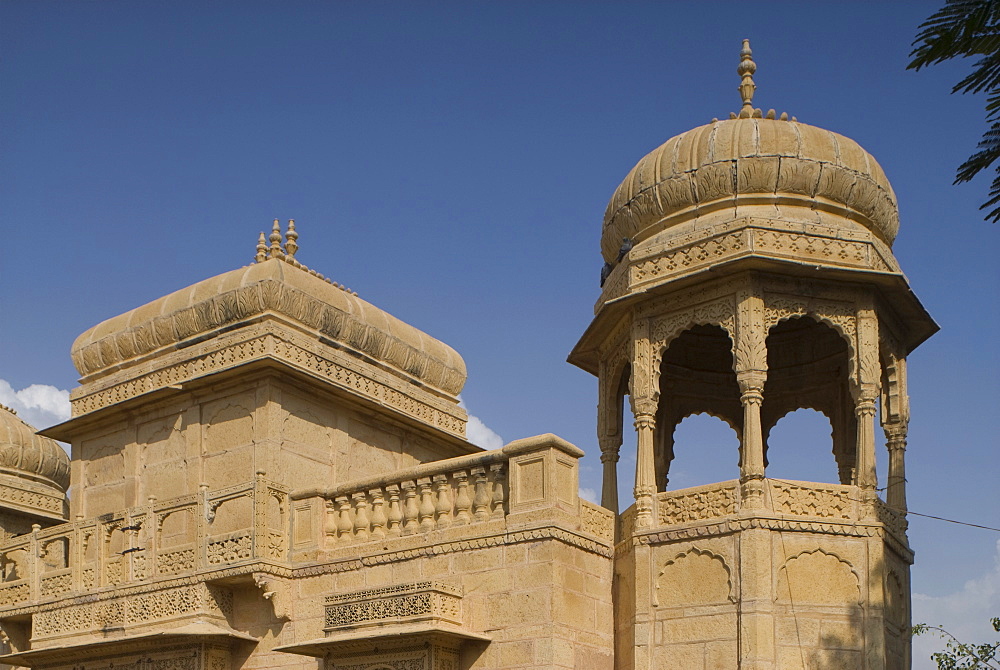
[27, 455]
[798, 170]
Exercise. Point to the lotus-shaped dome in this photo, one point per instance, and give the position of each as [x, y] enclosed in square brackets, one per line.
[799, 172]
[27, 455]
[752, 164]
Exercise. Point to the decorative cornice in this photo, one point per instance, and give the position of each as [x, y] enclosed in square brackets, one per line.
[273, 340]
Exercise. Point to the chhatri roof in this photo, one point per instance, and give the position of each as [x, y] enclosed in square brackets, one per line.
[806, 173]
[279, 286]
[26, 455]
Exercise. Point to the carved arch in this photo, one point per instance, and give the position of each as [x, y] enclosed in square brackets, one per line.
[806, 404]
[697, 577]
[818, 576]
[720, 312]
[841, 316]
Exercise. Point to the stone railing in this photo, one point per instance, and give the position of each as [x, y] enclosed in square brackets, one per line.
[464, 491]
[697, 503]
[782, 498]
[526, 483]
[833, 502]
[204, 531]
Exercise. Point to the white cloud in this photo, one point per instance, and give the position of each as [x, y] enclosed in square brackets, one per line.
[965, 614]
[479, 433]
[40, 405]
[589, 494]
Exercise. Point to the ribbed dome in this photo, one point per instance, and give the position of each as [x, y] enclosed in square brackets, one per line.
[210, 307]
[24, 452]
[800, 171]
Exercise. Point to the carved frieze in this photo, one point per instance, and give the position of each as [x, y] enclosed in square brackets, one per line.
[419, 601]
[815, 500]
[119, 612]
[339, 369]
[706, 502]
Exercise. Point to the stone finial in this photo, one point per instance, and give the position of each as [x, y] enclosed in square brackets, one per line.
[261, 249]
[291, 246]
[275, 238]
[746, 70]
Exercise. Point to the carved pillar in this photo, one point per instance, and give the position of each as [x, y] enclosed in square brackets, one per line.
[645, 468]
[865, 395]
[644, 396]
[609, 432]
[864, 410]
[750, 365]
[895, 421]
[895, 494]
[610, 450]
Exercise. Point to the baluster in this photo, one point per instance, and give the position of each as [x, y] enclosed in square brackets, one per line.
[426, 504]
[378, 514]
[443, 507]
[395, 511]
[361, 521]
[481, 500]
[330, 521]
[344, 524]
[498, 489]
[411, 511]
[462, 500]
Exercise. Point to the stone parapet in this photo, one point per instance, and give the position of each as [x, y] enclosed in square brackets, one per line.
[238, 525]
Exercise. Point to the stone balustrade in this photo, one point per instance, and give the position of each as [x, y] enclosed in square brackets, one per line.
[464, 491]
[526, 483]
[237, 525]
[433, 496]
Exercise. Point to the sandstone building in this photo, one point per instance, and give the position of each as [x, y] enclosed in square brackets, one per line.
[269, 472]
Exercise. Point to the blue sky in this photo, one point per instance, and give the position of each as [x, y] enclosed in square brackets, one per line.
[452, 163]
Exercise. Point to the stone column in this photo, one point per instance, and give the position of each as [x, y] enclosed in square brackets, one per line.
[895, 494]
[865, 394]
[609, 433]
[750, 365]
[864, 409]
[752, 465]
[644, 397]
[645, 467]
[610, 451]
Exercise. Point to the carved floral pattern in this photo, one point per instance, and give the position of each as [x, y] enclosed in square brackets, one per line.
[697, 505]
[827, 503]
[402, 602]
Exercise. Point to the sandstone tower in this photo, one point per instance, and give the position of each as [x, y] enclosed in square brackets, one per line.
[756, 278]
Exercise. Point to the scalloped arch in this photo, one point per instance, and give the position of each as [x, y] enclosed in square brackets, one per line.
[818, 576]
[694, 577]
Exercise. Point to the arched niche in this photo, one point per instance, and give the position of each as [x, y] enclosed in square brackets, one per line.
[809, 367]
[695, 377]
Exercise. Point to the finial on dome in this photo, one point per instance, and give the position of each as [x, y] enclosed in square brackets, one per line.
[746, 70]
[261, 249]
[291, 246]
[275, 237]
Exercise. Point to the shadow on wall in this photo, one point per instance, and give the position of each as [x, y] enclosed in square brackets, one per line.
[817, 632]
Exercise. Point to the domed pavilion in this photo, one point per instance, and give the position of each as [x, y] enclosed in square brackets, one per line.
[749, 273]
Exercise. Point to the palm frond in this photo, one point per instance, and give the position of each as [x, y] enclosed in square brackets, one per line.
[993, 216]
[964, 28]
[954, 30]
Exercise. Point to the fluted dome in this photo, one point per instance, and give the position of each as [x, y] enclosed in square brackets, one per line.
[27, 455]
[799, 172]
[211, 307]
